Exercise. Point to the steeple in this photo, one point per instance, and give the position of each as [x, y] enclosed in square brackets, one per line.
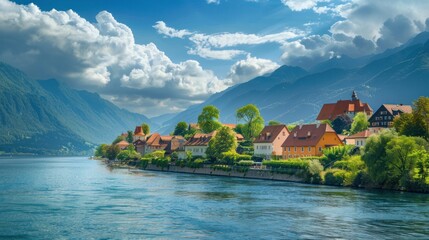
[354, 96]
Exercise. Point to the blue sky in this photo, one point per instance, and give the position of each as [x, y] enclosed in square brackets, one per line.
[162, 56]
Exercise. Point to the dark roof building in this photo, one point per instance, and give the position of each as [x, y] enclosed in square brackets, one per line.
[383, 117]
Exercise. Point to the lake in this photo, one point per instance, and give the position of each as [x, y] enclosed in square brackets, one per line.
[73, 197]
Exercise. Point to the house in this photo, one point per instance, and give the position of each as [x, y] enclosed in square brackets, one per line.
[138, 134]
[176, 144]
[330, 111]
[140, 146]
[270, 140]
[358, 139]
[123, 144]
[309, 140]
[199, 143]
[383, 117]
[156, 142]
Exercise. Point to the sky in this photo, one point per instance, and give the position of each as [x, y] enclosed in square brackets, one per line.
[161, 56]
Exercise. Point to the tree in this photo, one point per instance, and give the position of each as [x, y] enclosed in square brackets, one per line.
[360, 123]
[112, 152]
[253, 122]
[101, 151]
[223, 141]
[145, 128]
[130, 137]
[290, 127]
[327, 121]
[208, 120]
[118, 139]
[375, 156]
[273, 123]
[400, 159]
[416, 123]
[181, 129]
[342, 123]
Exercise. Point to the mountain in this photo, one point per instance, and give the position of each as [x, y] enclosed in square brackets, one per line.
[398, 76]
[45, 117]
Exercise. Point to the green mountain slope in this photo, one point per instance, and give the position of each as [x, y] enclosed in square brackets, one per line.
[45, 117]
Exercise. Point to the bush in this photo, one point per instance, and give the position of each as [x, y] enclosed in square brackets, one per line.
[144, 162]
[315, 168]
[338, 177]
[155, 154]
[197, 163]
[161, 162]
[231, 157]
[353, 164]
[224, 168]
[246, 163]
[333, 154]
[283, 164]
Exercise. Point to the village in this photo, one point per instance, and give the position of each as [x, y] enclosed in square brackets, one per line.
[329, 151]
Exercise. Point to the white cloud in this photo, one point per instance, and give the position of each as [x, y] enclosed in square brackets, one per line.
[212, 45]
[162, 28]
[299, 5]
[366, 27]
[249, 68]
[213, 1]
[100, 56]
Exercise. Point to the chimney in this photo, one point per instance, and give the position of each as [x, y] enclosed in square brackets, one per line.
[308, 134]
[294, 134]
[318, 125]
[300, 125]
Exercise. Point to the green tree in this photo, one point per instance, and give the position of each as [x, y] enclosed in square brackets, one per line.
[400, 159]
[112, 152]
[145, 128]
[273, 123]
[101, 150]
[181, 129]
[290, 127]
[118, 139]
[208, 120]
[327, 121]
[223, 141]
[422, 165]
[360, 123]
[253, 122]
[375, 156]
[416, 123]
[130, 137]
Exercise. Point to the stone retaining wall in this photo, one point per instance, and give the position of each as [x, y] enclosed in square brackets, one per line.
[251, 173]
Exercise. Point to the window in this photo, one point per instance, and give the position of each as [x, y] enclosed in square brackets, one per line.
[320, 149]
[289, 149]
[309, 149]
[295, 149]
[284, 134]
[302, 149]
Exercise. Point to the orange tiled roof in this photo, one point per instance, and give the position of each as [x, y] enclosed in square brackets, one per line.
[398, 107]
[307, 135]
[270, 133]
[333, 110]
[123, 143]
[138, 131]
[363, 134]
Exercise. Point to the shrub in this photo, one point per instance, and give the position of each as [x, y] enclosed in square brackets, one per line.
[315, 168]
[338, 177]
[352, 164]
[334, 154]
[290, 164]
[161, 162]
[144, 162]
[224, 168]
[197, 163]
[246, 163]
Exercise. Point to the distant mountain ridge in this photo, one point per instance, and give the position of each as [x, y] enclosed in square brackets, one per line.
[46, 116]
[398, 75]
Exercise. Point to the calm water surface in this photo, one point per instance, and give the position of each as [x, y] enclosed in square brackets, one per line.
[79, 198]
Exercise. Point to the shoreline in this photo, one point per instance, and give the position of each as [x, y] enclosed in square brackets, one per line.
[258, 174]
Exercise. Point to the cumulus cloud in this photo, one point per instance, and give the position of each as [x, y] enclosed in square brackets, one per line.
[249, 68]
[299, 5]
[100, 56]
[365, 27]
[162, 28]
[212, 45]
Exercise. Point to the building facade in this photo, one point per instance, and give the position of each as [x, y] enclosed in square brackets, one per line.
[383, 117]
[310, 140]
[270, 140]
[331, 111]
